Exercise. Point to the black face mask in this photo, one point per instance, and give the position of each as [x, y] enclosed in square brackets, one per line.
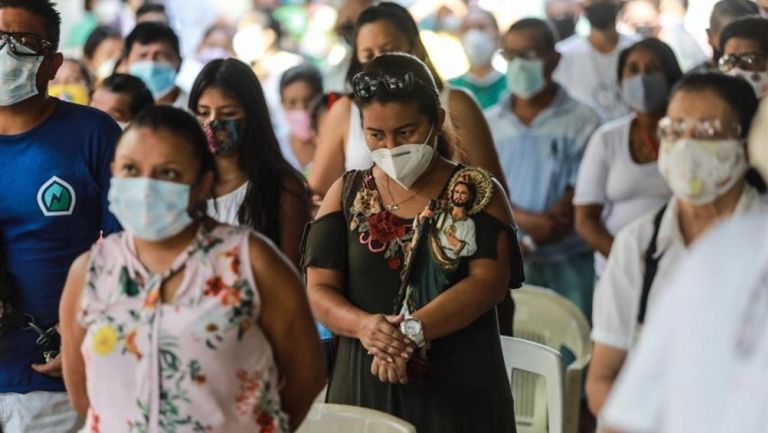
[602, 16]
[347, 33]
[565, 25]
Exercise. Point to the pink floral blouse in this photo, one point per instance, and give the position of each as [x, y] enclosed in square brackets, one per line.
[199, 364]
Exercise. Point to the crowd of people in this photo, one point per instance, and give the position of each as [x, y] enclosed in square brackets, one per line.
[203, 244]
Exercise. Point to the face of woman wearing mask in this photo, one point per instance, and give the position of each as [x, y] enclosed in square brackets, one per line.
[702, 154]
[166, 167]
[221, 117]
[643, 82]
[402, 140]
[379, 37]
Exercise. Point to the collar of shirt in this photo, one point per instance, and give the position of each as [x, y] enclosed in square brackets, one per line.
[559, 102]
[486, 81]
[669, 230]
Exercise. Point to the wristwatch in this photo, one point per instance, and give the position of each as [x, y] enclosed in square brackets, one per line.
[412, 328]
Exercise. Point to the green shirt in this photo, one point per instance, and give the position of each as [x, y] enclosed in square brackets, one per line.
[487, 91]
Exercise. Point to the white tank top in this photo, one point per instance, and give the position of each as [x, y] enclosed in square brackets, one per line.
[357, 156]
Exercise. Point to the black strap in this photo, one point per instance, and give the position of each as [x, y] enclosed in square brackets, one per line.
[651, 265]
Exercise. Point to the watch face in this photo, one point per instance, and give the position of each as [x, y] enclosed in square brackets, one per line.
[412, 326]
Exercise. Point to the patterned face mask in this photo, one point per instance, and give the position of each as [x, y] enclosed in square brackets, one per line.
[223, 136]
[699, 171]
[150, 209]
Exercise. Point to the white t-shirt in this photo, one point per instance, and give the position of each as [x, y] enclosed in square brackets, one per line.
[609, 176]
[591, 77]
[617, 295]
[224, 209]
[702, 362]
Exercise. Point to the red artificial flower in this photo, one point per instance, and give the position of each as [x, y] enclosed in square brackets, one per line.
[393, 262]
[385, 228]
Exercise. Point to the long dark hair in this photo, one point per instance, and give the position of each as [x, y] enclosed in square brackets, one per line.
[425, 94]
[260, 157]
[402, 20]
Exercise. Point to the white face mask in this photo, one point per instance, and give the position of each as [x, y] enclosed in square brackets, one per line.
[18, 75]
[406, 163]
[758, 80]
[699, 171]
[479, 47]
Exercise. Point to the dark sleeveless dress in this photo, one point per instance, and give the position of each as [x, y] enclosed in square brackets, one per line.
[467, 390]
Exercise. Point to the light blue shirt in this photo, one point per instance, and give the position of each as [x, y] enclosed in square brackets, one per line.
[541, 160]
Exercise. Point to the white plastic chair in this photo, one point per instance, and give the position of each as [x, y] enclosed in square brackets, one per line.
[545, 317]
[544, 374]
[339, 418]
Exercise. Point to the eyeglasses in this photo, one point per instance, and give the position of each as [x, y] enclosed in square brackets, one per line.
[25, 44]
[702, 129]
[366, 84]
[748, 62]
[527, 55]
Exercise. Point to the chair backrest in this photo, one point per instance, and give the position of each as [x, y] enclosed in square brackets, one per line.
[543, 316]
[542, 382]
[339, 418]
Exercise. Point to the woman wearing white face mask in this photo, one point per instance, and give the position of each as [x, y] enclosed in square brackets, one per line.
[207, 324]
[744, 44]
[361, 247]
[480, 37]
[619, 179]
[387, 28]
[703, 158]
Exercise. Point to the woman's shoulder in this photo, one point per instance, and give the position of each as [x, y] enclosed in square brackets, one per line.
[614, 129]
[637, 234]
[110, 247]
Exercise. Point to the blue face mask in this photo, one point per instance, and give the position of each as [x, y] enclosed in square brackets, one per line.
[525, 77]
[150, 209]
[18, 75]
[158, 76]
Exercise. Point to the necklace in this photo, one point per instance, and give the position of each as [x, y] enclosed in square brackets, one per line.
[394, 206]
[650, 145]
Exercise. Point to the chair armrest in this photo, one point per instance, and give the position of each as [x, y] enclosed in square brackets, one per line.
[574, 382]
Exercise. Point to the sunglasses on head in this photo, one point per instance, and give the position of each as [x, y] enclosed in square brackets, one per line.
[366, 84]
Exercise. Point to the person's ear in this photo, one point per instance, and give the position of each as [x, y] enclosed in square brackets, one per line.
[552, 62]
[55, 62]
[441, 113]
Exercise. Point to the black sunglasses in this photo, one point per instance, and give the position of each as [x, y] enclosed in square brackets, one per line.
[366, 84]
[25, 44]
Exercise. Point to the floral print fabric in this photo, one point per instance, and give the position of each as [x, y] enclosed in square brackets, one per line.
[380, 230]
[198, 364]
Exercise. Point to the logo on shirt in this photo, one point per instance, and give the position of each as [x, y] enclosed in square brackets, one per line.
[56, 197]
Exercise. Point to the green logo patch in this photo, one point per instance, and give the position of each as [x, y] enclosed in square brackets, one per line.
[56, 197]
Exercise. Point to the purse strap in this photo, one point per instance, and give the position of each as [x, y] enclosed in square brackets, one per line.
[651, 265]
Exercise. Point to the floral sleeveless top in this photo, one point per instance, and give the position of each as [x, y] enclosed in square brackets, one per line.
[198, 364]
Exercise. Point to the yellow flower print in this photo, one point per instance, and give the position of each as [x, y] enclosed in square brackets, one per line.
[696, 186]
[105, 340]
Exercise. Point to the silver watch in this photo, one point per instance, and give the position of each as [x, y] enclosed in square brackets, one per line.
[413, 329]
